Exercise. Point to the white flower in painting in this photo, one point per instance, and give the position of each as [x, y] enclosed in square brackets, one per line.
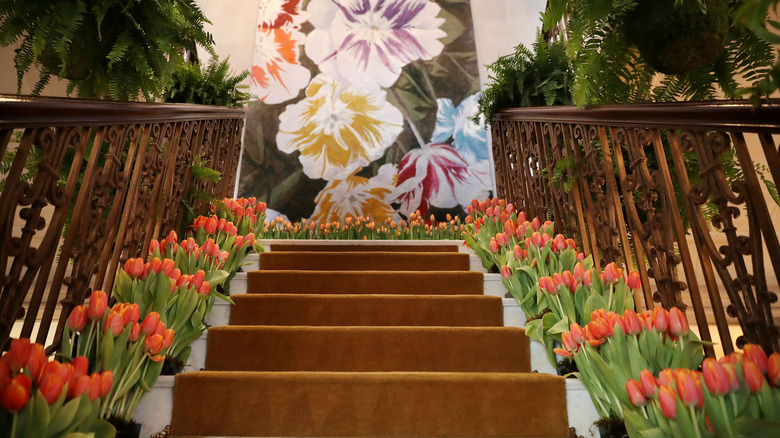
[357, 196]
[338, 129]
[436, 175]
[277, 76]
[368, 42]
[468, 138]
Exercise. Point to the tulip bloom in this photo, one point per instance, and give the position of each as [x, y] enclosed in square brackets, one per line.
[612, 273]
[678, 324]
[15, 393]
[51, 388]
[635, 393]
[755, 353]
[668, 401]
[153, 344]
[168, 266]
[505, 271]
[569, 343]
[752, 374]
[80, 366]
[660, 319]
[577, 333]
[77, 319]
[715, 377]
[633, 325]
[114, 323]
[98, 303]
[36, 360]
[633, 281]
[94, 387]
[168, 338]
[135, 331]
[773, 369]
[649, 383]
[134, 267]
[106, 380]
[80, 386]
[690, 393]
[149, 324]
[18, 354]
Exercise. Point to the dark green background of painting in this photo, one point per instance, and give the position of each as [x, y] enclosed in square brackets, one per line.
[278, 179]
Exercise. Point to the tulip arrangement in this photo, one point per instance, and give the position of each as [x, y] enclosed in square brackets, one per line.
[613, 348]
[415, 227]
[738, 395]
[246, 214]
[213, 233]
[118, 341]
[43, 398]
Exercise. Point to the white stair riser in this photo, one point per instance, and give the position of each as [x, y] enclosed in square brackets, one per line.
[154, 410]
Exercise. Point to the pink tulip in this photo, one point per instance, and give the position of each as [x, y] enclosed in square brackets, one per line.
[668, 400]
[635, 393]
[678, 323]
[755, 353]
[612, 274]
[633, 281]
[715, 377]
[660, 319]
[506, 272]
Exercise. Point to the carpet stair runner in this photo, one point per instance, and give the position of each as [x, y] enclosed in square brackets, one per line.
[360, 353]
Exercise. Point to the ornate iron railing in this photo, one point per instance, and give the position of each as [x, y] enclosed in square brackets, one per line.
[115, 173]
[632, 182]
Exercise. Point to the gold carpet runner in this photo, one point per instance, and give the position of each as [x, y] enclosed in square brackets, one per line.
[363, 353]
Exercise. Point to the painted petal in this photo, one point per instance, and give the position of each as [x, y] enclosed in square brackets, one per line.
[445, 121]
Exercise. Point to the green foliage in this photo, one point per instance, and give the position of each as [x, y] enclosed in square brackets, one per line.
[615, 62]
[200, 171]
[108, 49]
[752, 14]
[541, 77]
[212, 85]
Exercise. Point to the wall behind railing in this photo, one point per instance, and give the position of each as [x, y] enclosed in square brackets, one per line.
[673, 190]
[115, 173]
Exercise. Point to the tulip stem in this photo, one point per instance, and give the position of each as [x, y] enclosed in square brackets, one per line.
[13, 425]
[726, 418]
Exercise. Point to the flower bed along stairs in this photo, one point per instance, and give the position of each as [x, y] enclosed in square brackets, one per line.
[361, 342]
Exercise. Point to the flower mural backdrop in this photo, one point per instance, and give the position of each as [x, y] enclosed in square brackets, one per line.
[365, 109]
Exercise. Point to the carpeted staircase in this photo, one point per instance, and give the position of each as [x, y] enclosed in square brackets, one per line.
[363, 341]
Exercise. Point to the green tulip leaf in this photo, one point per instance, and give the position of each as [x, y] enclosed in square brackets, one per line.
[64, 418]
[568, 259]
[103, 429]
[560, 326]
[222, 297]
[594, 302]
[636, 424]
[105, 350]
[216, 278]
[535, 330]
[755, 428]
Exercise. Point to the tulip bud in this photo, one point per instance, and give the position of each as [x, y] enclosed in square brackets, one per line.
[734, 384]
[36, 360]
[569, 343]
[506, 272]
[509, 227]
[160, 330]
[494, 246]
[668, 401]
[715, 377]
[172, 238]
[168, 266]
[168, 338]
[80, 366]
[80, 386]
[579, 271]
[210, 225]
[77, 319]
[559, 243]
[577, 333]
[612, 274]
[667, 377]
[536, 238]
[633, 281]
[660, 319]
[648, 383]
[587, 279]
[98, 303]
[690, 394]
[752, 374]
[773, 369]
[678, 324]
[197, 279]
[633, 324]
[15, 393]
[135, 267]
[755, 353]
[135, 331]
[18, 354]
[51, 388]
[223, 256]
[153, 344]
[154, 246]
[536, 223]
[546, 284]
[205, 288]
[635, 393]
[94, 386]
[106, 380]
[114, 323]
[149, 324]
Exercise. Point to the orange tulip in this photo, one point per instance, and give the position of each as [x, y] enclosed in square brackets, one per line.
[77, 319]
[577, 333]
[633, 281]
[648, 383]
[94, 386]
[135, 331]
[51, 388]
[668, 400]
[635, 393]
[153, 344]
[168, 338]
[149, 324]
[633, 325]
[80, 386]
[98, 303]
[106, 380]
[690, 393]
[18, 354]
[113, 323]
[612, 273]
[755, 353]
[678, 324]
[36, 360]
[660, 319]
[15, 393]
[715, 377]
[80, 366]
[752, 374]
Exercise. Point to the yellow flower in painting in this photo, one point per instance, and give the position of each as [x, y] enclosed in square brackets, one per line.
[338, 129]
[357, 196]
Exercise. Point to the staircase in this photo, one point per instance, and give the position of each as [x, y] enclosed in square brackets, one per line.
[367, 340]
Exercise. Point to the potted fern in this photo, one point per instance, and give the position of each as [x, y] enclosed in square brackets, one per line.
[211, 85]
[106, 49]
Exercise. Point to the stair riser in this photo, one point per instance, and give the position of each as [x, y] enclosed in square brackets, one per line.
[257, 348]
[364, 261]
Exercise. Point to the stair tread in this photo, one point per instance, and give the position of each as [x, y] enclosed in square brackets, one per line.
[306, 348]
[369, 404]
[364, 246]
[367, 310]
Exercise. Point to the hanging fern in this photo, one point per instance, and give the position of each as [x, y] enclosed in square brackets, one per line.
[107, 49]
[612, 64]
[211, 86]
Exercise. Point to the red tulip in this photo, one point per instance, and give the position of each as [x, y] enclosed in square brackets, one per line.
[648, 383]
[505, 271]
[48, 368]
[168, 266]
[77, 319]
[5, 372]
[660, 319]
[633, 281]
[559, 243]
[509, 227]
[715, 377]
[98, 303]
[15, 393]
[734, 384]
[210, 225]
[153, 344]
[80, 386]
[755, 353]
[66, 372]
[149, 324]
[106, 380]
[678, 324]
[80, 366]
[752, 374]
[689, 392]
[773, 369]
[51, 388]
[36, 360]
[114, 323]
[577, 333]
[612, 273]
[633, 324]
[18, 354]
[160, 330]
[135, 331]
[547, 285]
[205, 288]
[94, 386]
[668, 400]
[197, 279]
[135, 267]
[635, 393]
[168, 338]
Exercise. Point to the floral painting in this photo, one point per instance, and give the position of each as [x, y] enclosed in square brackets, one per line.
[364, 108]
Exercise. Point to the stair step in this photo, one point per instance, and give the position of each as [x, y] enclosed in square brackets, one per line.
[364, 261]
[445, 349]
[304, 404]
[362, 245]
[365, 282]
[366, 310]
